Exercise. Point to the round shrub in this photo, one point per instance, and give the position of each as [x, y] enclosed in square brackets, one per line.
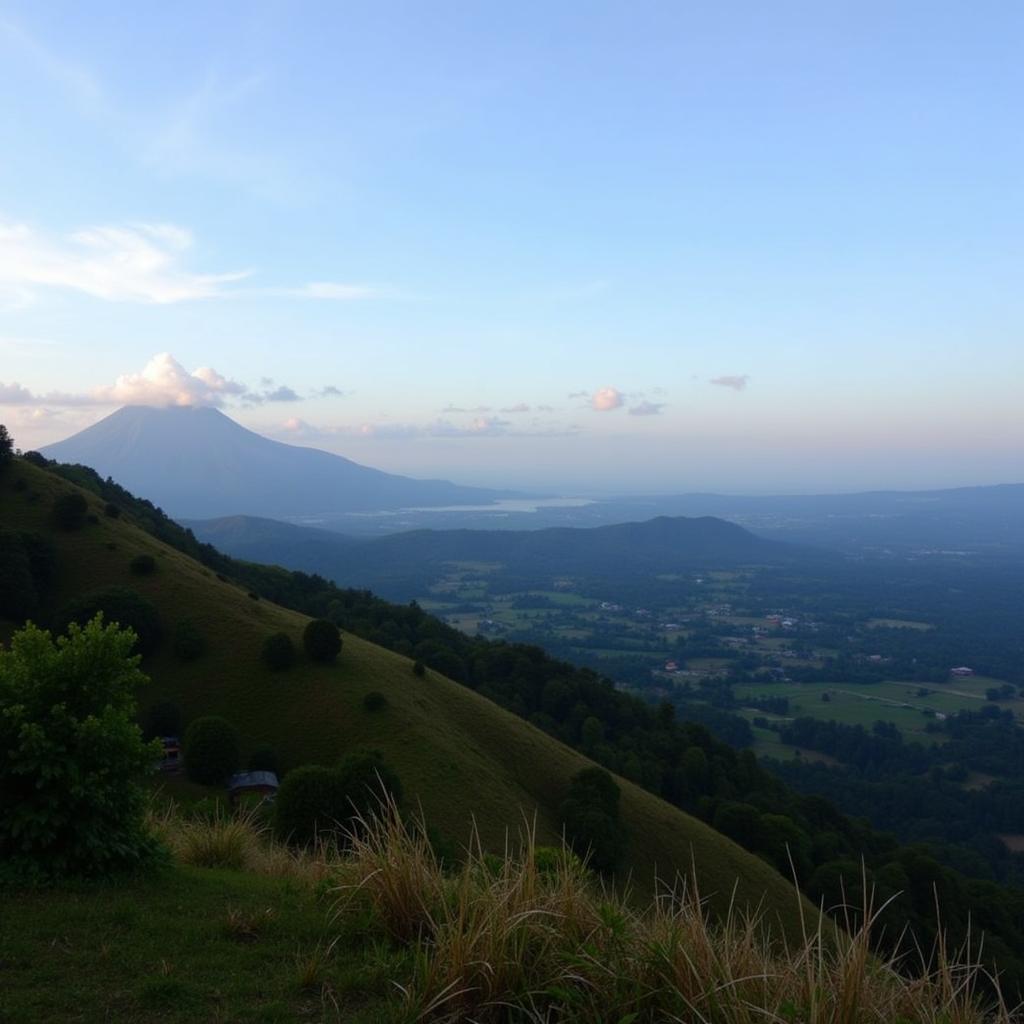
[211, 751]
[119, 605]
[419, 669]
[321, 640]
[368, 778]
[312, 801]
[279, 651]
[143, 565]
[189, 642]
[375, 701]
[112, 510]
[70, 510]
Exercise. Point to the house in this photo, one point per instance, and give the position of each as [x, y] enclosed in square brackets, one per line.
[961, 670]
[263, 784]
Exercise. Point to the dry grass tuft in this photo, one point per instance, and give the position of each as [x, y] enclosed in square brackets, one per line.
[506, 941]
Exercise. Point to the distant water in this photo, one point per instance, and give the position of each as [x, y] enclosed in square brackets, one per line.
[508, 505]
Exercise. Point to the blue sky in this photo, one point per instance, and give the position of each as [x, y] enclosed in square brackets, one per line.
[584, 246]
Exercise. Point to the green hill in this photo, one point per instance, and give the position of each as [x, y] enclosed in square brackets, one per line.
[461, 757]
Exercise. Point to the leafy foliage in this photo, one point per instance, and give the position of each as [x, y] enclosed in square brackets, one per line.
[279, 651]
[211, 750]
[591, 816]
[318, 801]
[71, 780]
[120, 605]
[143, 565]
[6, 447]
[189, 643]
[70, 510]
[321, 640]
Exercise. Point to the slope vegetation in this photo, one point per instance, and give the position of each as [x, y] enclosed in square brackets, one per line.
[461, 757]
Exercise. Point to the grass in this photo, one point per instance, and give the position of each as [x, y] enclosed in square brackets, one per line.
[385, 935]
[442, 739]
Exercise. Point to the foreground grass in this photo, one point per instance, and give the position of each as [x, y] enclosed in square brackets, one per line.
[242, 929]
[188, 945]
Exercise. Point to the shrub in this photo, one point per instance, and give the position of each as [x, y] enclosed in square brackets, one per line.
[591, 816]
[143, 565]
[317, 801]
[311, 802]
[122, 606]
[419, 669]
[279, 651]
[72, 779]
[321, 640]
[375, 701]
[211, 750]
[69, 511]
[112, 510]
[36, 459]
[163, 719]
[189, 643]
[6, 447]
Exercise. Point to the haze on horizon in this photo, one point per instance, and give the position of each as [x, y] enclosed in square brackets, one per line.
[596, 248]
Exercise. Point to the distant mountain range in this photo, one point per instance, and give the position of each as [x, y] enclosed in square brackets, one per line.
[388, 564]
[199, 462]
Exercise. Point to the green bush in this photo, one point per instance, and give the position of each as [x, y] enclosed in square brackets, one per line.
[72, 778]
[311, 802]
[419, 669]
[143, 565]
[6, 447]
[279, 651]
[189, 643]
[591, 816]
[375, 701]
[314, 800]
[211, 751]
[321, 640]
[122, 606]
[112, 510]
[70, 510]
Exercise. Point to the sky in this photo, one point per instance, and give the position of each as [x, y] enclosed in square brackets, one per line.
[585, 247]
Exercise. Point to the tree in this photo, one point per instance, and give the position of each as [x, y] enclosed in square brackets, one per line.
[321, 640]
[6, 447]
[72, 792]
[311, 802]
[211, 751]
[279, 651]
[591, 816]
[123, 606]
[69, 511]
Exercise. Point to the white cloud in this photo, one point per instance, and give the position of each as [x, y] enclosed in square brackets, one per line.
[738, 382]
[333, 290]
[163, 381]
[119, 263]
[519, 407]
[607, 399]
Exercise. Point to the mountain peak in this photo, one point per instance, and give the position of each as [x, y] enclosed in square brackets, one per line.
[195, 461]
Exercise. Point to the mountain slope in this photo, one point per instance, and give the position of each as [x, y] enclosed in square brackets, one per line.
[460, 756]
[199, 462]
[661, 545]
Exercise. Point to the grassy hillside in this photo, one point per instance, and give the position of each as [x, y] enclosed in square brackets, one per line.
[460, 756]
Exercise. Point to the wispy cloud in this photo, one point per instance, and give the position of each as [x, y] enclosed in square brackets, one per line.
[519, 407]
[335, 291]
[738, 382]
[127, 263]
[476, 410]
[647, 409]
